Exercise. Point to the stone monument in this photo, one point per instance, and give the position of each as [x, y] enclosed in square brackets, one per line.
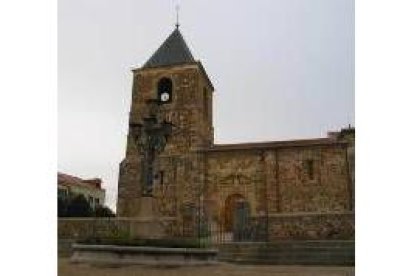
[150, 138]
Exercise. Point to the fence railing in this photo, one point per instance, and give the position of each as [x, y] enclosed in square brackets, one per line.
[209, 233]
[205, 233]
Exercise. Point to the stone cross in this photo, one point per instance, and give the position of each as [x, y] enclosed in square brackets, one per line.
[150, 138]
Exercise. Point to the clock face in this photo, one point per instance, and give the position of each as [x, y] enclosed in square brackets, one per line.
[165, 97]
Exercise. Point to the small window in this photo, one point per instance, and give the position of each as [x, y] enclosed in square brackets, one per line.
[161, 177]
[310, 169]
[165, 90]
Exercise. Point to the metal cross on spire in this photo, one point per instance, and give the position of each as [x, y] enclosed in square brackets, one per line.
[177, 9]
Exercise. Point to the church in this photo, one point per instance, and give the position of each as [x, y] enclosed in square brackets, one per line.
[302, 189]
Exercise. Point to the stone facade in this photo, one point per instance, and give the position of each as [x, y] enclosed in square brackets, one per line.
[193, 173]
[181, 165]
[276, 178]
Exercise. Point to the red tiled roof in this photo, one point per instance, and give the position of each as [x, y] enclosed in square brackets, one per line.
[70, 180]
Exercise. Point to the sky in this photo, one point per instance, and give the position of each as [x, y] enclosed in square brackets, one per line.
[282, 70]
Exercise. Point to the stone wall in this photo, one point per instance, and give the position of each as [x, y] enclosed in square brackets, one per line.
[84, 228]
[312, 226]
[279, 180]
[291, 252]
[290, 226]
[179, 168]
[274, 178]
[327, 189]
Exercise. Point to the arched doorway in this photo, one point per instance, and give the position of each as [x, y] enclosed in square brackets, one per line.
[234, 205]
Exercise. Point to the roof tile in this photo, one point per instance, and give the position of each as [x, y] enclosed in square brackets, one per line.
[173, 50]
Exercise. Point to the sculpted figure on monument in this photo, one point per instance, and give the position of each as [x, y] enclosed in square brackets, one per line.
[151, 139]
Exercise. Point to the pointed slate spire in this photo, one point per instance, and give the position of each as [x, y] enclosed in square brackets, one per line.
[174, 50]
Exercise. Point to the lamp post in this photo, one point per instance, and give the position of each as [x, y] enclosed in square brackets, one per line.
[150, 137]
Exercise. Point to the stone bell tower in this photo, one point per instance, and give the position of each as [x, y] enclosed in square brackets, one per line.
[180, 83]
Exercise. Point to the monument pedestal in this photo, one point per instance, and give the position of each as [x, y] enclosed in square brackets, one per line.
[149, 225]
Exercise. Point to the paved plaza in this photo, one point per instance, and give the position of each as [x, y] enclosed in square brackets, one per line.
[65, 268]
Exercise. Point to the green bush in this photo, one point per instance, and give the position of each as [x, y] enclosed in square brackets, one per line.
[78, 206]
[103, 211]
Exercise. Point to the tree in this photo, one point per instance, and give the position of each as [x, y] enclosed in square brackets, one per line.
[79, 207]
[62, 207]
[103, 211]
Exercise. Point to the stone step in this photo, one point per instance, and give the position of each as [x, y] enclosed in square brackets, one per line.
[294, 258]
[65, 247]
[284, 252]
[265, 254]
[289, 244]
[279, 247]
[309, 250]
[296, 261]
[293, 252]
[290, 256]
[287, 250]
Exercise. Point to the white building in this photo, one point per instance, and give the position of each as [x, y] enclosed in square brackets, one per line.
[91, 189]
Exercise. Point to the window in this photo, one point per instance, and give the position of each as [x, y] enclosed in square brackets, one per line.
[310, 169]
[161, 177]
[165, 90]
